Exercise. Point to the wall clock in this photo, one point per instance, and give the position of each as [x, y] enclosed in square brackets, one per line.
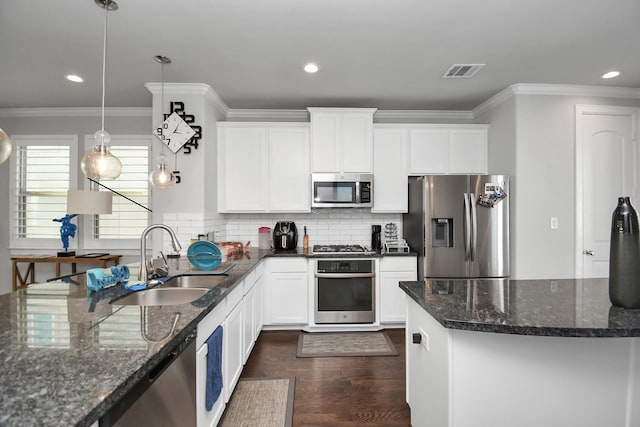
[174, 132]
[178, 140]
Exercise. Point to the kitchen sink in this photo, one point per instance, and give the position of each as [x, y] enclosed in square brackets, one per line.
[199, 281]
[162, 296]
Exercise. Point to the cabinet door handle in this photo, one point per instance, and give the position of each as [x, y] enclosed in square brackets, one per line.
[417, 338]
[589, 252]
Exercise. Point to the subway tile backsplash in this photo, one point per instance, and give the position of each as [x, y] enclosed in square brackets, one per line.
[324, 226]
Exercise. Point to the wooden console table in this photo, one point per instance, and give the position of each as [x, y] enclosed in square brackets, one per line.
[23, 279]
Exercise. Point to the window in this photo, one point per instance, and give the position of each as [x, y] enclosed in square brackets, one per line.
[41, 174]
[122, 228]
[44, 167]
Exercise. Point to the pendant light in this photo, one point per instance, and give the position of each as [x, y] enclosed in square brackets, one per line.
[161, 177]
[5, 146]
[99, 163]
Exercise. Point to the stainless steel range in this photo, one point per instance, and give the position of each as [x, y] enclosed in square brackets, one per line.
[344, 288]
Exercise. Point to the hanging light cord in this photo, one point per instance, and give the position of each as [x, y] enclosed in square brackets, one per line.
[119, 194]
[104, 56]
[162, 107]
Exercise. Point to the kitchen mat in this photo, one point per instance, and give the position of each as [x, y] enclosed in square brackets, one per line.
[260, 402]
[330, 344]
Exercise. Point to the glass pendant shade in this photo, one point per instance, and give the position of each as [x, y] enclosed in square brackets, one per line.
[161, 177]
[5, 146]
[99, 163]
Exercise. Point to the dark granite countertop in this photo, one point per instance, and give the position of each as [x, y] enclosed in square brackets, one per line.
[68, 356]
[558, 308]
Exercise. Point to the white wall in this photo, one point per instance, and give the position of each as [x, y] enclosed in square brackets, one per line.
[541, 163]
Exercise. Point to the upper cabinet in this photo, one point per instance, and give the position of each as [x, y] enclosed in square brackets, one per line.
[400, 150]
[390, 158]
[443, 149]
[342, 140]
[263, 167]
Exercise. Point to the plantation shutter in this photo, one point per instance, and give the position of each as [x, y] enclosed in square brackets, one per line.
[41, 176]
[127, 220]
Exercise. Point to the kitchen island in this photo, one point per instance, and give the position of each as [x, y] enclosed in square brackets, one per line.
[521, 353]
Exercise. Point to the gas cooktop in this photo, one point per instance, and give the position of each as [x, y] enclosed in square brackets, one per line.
[340, 249]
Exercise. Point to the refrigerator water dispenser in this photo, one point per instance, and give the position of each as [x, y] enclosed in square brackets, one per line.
[441, 232]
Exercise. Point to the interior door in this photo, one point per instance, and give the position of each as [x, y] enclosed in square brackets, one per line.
[607, 159]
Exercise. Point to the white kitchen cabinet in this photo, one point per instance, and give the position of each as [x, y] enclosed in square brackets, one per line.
[395, 269]
[468, 150]
[286, 294]
[248, 323]
[342, 139]
[289, 178]
[242, 169]
[428, 150]
[206, 418]
[263, 167]
[390, 157]
[443, 149]
[232, 360]
[259, 297]
[205, 328]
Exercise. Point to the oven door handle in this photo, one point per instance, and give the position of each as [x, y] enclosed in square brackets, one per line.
[344, 275]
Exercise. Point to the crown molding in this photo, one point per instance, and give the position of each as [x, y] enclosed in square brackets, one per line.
[303, 115]
[421, 115]
[201, 89]
[268, 115]
[556, 90]
[75, 112]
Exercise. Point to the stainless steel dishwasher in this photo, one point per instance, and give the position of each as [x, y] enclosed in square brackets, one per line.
[166, 397]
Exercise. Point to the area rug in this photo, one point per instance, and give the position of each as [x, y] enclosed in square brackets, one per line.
[333, 344]
[260, 402]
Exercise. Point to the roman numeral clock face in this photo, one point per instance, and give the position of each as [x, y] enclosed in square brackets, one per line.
[174, 132]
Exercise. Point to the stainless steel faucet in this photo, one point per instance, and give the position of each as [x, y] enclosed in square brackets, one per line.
[143, 275]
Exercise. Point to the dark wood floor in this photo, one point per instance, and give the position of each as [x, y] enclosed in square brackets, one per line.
[336, 391]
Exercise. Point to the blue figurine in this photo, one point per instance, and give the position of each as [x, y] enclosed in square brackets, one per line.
[66, 229]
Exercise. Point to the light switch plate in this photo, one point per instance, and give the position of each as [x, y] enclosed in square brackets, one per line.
[554, 223]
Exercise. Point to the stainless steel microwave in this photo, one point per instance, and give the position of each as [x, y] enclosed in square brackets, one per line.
[342, 190]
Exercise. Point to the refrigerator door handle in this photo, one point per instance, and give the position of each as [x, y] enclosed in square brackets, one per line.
[467, 227]
[474, 226]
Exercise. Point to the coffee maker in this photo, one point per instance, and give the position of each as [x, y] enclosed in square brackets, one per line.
[285, 236]
[376, 239]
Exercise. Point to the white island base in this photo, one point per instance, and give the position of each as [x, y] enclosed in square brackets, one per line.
[460, 378]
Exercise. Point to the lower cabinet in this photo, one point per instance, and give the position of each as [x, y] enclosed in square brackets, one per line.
[392, 299]
[248, 323]
[205, 328]
[240, 315]
[232, 359]
[286, 295]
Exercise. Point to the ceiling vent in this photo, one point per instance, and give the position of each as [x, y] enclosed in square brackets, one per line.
[457, 71]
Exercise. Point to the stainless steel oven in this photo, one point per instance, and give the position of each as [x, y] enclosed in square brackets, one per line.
[345, 291]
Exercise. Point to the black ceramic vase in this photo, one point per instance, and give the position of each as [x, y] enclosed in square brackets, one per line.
[624, 257]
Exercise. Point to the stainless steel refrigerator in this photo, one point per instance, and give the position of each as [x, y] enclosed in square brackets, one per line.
[459, 225]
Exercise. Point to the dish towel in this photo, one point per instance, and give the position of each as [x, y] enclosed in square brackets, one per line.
[214, 368]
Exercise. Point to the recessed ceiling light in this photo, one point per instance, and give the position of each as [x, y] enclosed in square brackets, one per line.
[74, 78]
[611, 74]
[311, 68]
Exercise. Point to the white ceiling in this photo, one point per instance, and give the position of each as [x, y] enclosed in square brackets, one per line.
[388, 54]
